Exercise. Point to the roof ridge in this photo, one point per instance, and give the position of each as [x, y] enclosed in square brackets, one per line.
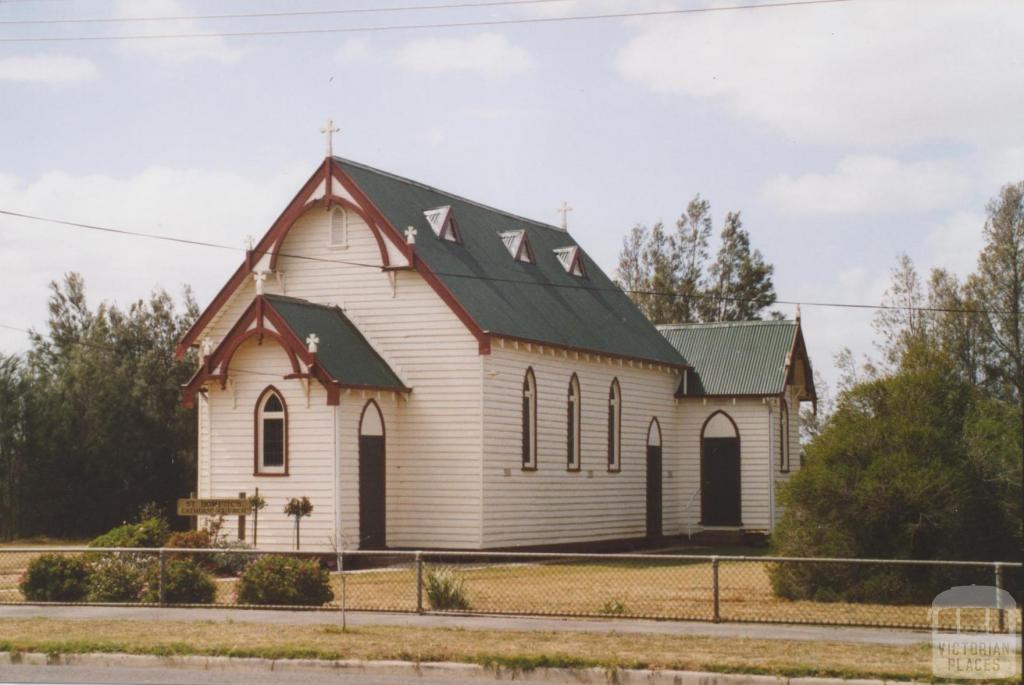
[724, 324]
[490, 208]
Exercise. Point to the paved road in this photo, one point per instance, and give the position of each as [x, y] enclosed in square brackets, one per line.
[188, 676]
[882, 636]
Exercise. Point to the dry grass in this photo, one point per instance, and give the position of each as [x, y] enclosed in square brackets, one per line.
[505, 648]
[640, 589]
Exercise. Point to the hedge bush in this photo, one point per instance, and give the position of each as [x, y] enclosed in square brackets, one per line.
[116, 579]
[55, 578]
[185, 582]
[285, 580]
[151, 532]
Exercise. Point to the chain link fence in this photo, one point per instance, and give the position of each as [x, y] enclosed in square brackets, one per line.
[849, 592]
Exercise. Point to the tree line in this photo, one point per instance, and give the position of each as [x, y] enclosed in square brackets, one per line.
[672, 278]
[91, 423]
[922, 454]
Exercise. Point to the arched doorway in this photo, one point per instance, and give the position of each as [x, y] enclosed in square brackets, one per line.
[720, 471]
[372, 480]
[654, 517]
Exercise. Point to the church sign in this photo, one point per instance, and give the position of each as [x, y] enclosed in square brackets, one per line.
[214, 507]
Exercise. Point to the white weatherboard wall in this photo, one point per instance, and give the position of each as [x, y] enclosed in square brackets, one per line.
[433, 436]
[752, 418]
[310, 448]
[553, 505]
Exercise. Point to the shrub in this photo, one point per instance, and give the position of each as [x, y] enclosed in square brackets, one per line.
[285, 580]
[445, 591]
[613, 607]
[151, 532]
[55, 578]
[229, 563]
[185, 582]
[190, 539]
[116, 579]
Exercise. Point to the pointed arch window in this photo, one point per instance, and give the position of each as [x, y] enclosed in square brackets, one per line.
[529, 421]
[572, 425]
[271, 434]
[338, 231]
[783, 436]
[614, 426]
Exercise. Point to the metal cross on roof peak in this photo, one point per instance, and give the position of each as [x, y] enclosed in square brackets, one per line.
[564, 211]
[329, 129]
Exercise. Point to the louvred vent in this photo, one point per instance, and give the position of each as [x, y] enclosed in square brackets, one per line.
[518, 245]
[571, 259]
[442, 223]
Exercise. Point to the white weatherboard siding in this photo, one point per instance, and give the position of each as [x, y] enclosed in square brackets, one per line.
[794, 447]
[310, 448]
[752, 420]
[553, 505]
[433, 436]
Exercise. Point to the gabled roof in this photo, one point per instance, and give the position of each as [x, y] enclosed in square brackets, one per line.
[738, 358]
[342, 351]
[538, 302]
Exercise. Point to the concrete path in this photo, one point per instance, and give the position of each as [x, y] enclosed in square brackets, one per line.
[881, 636]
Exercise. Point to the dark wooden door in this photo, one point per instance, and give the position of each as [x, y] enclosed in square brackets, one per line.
[720, 482]
[372, 503]
[653, 491]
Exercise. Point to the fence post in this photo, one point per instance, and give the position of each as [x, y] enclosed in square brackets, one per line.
[717, 617]
[163, 569]
[999, 596]
[419, 582]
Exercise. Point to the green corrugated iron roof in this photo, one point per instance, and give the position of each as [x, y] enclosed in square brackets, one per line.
[734, 358]
[343, 352]
[539, 302]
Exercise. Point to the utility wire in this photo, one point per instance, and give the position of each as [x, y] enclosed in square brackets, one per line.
[409, 27]
[290, 13]
[517, 281]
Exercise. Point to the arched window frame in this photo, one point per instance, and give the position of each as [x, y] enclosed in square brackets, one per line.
[261, 416]
[783, 435]
[574, 402]
[615, 426]
[337, 231]
[529, 432]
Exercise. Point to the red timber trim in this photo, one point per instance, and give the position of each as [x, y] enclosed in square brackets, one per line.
[258, 312]
[256, 434]
[586, 350]
[799, 349]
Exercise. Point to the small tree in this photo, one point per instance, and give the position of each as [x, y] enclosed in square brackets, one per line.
[256, 503]
[298, 508]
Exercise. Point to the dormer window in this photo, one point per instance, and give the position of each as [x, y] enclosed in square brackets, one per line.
[518, 245]
[442, 222]
[571, 259]
[338, 230]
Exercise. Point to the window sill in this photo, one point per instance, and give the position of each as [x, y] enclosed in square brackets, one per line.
[529, 468]
[264, 474]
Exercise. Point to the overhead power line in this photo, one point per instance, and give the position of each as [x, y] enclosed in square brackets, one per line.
[287, 13]
[411, 27]
[517, 281]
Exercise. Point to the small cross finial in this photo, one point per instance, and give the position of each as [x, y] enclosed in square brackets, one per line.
[259, 278]
[797, 311]
[206, 347]
[410, 235]
[329, 129]
[312, 340]
[564, 211]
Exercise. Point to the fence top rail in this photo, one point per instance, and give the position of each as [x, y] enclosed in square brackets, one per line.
[412, 554]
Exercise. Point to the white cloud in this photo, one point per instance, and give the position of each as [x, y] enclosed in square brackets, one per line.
[213, 206]
[353, 50]
[48, 69]
[870, 184]
[956, 243]
[488, 54]
[864, 72]
[170, 50]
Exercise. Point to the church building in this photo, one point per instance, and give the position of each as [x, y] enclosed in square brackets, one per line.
[434, 373]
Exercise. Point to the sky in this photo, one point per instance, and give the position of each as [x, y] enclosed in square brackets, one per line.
[846, 133]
